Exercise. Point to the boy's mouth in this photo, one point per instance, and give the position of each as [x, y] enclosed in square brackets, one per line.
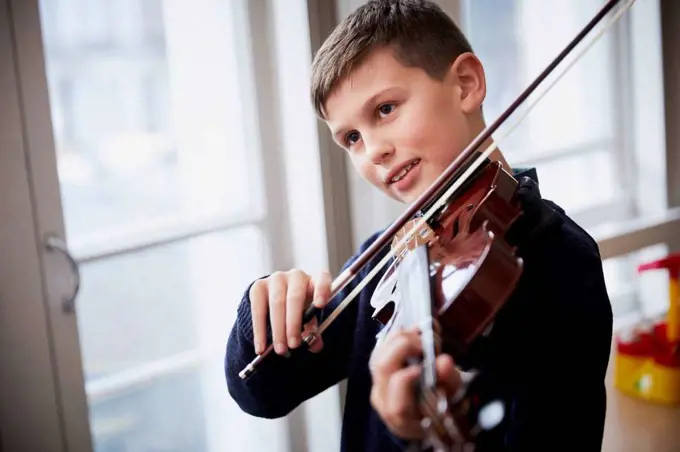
[394, 178]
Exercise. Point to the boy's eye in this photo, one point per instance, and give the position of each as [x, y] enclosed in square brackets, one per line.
[352, 137]
[386, 109]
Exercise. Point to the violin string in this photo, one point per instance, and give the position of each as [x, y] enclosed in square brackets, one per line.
[456, 185]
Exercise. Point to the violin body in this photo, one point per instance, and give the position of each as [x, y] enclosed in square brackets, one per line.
[472, 268]
[475, 269]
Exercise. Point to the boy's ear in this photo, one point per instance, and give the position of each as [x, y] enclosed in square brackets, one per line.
[468, 73]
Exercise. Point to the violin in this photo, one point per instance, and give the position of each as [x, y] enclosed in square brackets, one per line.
[452, 268]
[449, 279]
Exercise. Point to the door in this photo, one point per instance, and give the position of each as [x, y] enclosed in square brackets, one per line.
[149, 219]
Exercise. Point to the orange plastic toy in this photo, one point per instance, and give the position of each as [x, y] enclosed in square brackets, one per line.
[648, 359]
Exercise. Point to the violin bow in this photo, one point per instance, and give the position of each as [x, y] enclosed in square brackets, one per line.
[434, 191]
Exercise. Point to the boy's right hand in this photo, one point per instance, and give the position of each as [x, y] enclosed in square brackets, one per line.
[285, 296]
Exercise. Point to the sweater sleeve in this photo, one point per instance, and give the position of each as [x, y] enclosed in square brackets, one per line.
[280, 383]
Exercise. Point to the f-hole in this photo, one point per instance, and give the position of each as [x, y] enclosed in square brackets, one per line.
[385, 314]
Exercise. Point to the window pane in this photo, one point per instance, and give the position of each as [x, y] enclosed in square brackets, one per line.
[579, 181]
[183, 411]
[131, 421]
[619, 275]
[516, 40]
[139, 308]
[146, 107]
[632, 292]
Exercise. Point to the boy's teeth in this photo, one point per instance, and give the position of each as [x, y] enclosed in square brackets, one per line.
[403, 172]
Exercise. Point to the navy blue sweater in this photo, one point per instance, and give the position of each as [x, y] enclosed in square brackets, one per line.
[546, 354]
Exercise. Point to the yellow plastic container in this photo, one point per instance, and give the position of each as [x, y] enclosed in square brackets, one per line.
[647, 364]
[645, 379]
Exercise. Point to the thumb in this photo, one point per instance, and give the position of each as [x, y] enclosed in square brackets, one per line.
[320, 288]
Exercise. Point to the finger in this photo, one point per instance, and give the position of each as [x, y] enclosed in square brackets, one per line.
[277, 310]
[400, 403]
[295, 304]
[393, 353]
[389, 358]
[447, 374]
[322, 289]
[259, 301]
[317, 345]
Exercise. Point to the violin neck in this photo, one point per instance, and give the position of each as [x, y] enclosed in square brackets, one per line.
[429, 370]
[416, 289]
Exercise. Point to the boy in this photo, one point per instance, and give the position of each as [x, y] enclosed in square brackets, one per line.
[400, 89]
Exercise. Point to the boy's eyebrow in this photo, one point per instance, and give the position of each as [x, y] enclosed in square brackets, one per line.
[371, 100]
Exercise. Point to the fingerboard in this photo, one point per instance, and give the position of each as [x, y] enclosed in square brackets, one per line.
[414, 278]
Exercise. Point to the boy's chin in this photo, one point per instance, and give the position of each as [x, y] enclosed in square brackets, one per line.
[404, 198]
[391, 194]
[412, 195]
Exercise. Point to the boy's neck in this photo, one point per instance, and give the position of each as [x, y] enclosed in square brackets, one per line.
[497, 154]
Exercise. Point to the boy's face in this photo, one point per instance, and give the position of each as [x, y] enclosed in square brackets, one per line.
[401, 127]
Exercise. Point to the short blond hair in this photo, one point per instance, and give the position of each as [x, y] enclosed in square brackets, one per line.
[418, 31]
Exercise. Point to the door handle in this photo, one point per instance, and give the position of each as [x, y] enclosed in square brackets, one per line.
[57, 244]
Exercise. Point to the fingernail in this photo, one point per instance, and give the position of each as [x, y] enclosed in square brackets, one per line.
[318, 302]
[293, 341]
[280, 347]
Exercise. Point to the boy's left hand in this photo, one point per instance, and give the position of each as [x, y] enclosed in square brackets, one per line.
[393, 393]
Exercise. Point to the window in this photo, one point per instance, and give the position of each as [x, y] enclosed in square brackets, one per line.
[161, 186]
[571, 136]
[581, 136]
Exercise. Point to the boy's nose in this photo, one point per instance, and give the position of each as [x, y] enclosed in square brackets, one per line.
[380, 152]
